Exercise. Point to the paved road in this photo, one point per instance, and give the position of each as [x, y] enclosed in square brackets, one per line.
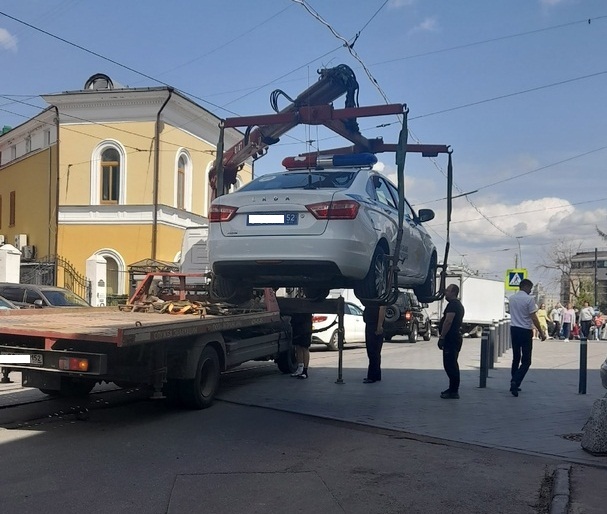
[396, 447]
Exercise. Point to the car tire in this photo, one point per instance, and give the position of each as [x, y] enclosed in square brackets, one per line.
[413, 334]
[392, 314]
[316, 294]
[333, 344]
[375, 283]
[287, 361]
[228, 290]
[426, 292]
[428, 332]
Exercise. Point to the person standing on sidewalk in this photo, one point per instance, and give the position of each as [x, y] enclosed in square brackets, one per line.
[568, 321]
[450, 340]
[555, 315]
[523, 317]
[586, 317]
[373, 316]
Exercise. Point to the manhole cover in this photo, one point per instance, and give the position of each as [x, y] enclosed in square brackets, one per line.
[573, 437]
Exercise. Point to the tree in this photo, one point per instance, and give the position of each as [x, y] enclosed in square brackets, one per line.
[558, 261]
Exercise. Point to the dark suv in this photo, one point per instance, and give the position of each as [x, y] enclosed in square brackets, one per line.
[36, 296]
[407, 317]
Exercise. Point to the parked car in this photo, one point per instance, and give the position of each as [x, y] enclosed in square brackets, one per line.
[38, 296]
[6, 304]
[318, 229]
[407, 317]
[354, 327]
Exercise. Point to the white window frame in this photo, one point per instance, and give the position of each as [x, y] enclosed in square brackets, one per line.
[96, 172]
[187, 185]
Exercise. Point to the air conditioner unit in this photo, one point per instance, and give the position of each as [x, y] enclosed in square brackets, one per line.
[28, 252]
[20, 241]
[2, 239]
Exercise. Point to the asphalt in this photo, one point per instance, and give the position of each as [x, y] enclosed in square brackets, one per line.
[546, 419]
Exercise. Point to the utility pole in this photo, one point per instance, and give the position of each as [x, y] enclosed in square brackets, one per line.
[596, 300]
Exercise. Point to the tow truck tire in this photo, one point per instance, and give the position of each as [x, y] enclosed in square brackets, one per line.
[375, 283]
[425, 293]
[200, 392]
[287, 361]
[413, 333]
[228, 290]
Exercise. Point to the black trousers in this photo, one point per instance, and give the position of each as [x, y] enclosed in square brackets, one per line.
[585, 328]
[522, 348]
[374, 344]
[556, 331]
[451, 351]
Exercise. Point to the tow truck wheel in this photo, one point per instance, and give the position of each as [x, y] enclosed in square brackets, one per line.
[375, 284]
[287, 360]
[200, 392]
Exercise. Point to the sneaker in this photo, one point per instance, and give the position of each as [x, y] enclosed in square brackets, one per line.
[566, 340]
[448, 395]
[514, 389]
[302, 376]
[298, 372]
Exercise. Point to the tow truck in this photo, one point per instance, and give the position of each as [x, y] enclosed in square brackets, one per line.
[178, 340]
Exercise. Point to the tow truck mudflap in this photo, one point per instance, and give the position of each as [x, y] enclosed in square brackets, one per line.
[82, 364]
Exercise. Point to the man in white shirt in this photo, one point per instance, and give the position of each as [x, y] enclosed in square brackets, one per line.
[586, 317]
[555, 315]
[522, 319]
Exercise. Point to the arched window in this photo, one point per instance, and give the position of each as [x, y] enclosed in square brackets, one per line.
[183, 181]
[110, 176]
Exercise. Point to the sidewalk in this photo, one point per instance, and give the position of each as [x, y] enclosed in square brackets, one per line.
[546, 419]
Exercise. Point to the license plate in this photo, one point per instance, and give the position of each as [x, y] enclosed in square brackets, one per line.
[36, 359]
[285, 218]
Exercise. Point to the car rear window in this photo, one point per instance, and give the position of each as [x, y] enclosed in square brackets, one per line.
[314, 179]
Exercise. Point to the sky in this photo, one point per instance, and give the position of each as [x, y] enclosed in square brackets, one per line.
[517, 88]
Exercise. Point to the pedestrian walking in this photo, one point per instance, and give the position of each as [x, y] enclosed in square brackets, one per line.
[586, 317]
[450, 340]
[542, 317]
[373, 316]
[523, 317]
[555, 315]
[568, 321]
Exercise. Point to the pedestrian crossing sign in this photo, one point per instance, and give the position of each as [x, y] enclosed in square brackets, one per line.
[514, 278]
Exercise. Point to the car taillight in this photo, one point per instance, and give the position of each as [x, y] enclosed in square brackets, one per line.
[337, 210]
[318, 319]
[221, 213]
[407, 315]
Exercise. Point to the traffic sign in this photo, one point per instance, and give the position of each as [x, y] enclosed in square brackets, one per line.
[514, 278]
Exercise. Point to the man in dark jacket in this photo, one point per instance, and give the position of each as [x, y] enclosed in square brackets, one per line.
[450, 340]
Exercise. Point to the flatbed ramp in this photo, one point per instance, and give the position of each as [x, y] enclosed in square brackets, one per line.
[121, 328]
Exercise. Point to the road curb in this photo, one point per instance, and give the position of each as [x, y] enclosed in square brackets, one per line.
[561, 490]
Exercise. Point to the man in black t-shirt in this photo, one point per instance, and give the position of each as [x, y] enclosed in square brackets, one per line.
[450, 340]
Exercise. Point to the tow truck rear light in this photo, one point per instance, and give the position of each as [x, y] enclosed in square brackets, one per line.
[338, 210]
[73, 364]
[354, 160]
[318, 318]
[221, 213]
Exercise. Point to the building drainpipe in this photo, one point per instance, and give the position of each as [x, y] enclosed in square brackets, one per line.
[157, 174]
[57, 162]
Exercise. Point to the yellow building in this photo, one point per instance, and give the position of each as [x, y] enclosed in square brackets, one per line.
[107, 171]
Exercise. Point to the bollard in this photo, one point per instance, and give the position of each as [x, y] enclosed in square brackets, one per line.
[502, 339]
[583, 364]
[492, 342]
[484, 358]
